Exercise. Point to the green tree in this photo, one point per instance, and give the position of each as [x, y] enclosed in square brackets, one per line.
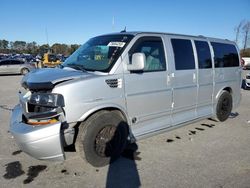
[4, 44]
[60, 49]
[43, 49]
[73, 48]
[19, 46]
[31, 48]
[245, 52]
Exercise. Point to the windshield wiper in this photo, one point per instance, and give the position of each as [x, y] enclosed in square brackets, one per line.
[76, 66]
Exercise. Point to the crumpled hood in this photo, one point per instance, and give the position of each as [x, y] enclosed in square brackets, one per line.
[46, 78]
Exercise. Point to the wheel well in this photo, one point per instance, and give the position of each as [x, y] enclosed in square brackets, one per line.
[113, 109]
[24, 68]
[228, 89]
[116, 110]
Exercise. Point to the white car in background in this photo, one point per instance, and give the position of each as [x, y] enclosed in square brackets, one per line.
[246, 64]
[247, 81]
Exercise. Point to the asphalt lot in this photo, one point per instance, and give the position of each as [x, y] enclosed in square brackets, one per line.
[203, 154]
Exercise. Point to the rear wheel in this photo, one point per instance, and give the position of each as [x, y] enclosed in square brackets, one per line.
[102, 138]
[224, 106]
[24, 71]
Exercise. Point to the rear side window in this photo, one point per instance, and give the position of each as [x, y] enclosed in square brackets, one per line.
[204, 55]
[225, 55]
[183, 54]
[12, 62]
[16, 62]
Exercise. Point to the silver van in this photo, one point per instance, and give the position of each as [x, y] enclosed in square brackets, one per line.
[119, 88]
[15, 66]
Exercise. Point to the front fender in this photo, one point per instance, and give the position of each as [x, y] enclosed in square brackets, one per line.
[105, 107]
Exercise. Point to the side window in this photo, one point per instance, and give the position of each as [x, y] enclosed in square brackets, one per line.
[19, 62]
[153, 49]
[4, 62]
[204, 55]
[183, 54]
[12, 62]
[225, 55]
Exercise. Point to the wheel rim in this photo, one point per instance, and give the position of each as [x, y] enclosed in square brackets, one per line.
[107, 141]
[25, 71]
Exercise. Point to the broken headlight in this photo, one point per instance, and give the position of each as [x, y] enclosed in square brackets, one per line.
[47, 100]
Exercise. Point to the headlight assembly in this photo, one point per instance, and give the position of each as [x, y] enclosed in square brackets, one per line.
[47, 99]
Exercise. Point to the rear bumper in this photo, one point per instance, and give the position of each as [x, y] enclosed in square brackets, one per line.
[41, 142]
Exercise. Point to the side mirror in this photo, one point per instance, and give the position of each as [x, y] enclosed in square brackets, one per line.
[138, 62]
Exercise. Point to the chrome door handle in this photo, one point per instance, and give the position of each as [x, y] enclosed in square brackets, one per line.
[194, 77]
[169, 76]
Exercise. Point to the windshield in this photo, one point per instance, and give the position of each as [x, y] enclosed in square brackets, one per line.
[99, 53]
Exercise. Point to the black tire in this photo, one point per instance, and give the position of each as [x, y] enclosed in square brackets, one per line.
[245, 87]
[24, 71]
[224, 106]
[102, 138]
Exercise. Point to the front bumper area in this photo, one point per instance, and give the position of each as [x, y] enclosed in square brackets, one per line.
[247, 82]
[41, 142]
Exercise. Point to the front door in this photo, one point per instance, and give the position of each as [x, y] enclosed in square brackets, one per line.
[148, 96]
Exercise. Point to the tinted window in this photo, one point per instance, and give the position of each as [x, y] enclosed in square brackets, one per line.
[203, 53]
[183, 54]
[153, 49]
[4, 62]
[15, 62]
[225, 55]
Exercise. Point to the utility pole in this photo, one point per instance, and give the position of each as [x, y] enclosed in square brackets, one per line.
[47, 38]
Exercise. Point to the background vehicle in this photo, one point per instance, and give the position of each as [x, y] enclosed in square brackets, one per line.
[246, 62]
[247, 82]
[50, 60]
[15, 66]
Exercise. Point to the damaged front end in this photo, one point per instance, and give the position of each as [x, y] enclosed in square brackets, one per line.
[38, 122]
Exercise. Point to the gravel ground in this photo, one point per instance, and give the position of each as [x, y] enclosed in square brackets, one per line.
[203, 154]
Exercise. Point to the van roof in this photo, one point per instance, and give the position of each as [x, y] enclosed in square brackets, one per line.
[172, 34]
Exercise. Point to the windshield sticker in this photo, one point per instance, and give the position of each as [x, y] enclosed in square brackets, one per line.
[116, 44]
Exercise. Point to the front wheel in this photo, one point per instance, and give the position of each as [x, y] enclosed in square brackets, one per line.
[102, 138]
[24, 71]
[224, 106]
